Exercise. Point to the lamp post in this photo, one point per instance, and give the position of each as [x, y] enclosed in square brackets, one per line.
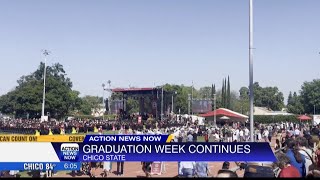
[189, 99]
[172, 101]
[161, 116]
[45, 53]
[192, 96]
[103, 85]
[251, 68]
[109, 102]
[215, 106]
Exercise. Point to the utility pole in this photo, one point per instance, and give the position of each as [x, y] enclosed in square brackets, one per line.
[189, 99]
[172, 101]
[109, 100]
[192, 97]
[45, 53]
[161, 102]
[104, 106]
[251, 68]
[215, 107]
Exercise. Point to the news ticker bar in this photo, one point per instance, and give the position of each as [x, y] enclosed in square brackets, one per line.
[86, 138]
[40, 166]
[42, 138]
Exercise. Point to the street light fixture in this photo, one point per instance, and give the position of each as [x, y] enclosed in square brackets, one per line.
[103, 85]
[45, 53]
[172, 101]
[189, 101]
[109, 103]
[251, 68]
[215, 106]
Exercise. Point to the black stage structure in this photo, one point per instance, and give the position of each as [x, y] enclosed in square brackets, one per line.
[151, 101]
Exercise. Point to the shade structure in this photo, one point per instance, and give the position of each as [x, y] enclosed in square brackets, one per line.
[224, 117]
[304, 118]
[224, 112]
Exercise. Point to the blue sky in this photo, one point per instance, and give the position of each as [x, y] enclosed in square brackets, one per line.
[145, 43]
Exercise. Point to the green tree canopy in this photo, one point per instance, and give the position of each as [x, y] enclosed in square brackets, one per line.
[269, 97]
[294, 104]
[310, 95]
[26, 98]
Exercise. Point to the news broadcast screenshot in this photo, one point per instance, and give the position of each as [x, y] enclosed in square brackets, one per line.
[159, 89]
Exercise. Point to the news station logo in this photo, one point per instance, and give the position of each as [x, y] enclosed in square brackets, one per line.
[69, 152]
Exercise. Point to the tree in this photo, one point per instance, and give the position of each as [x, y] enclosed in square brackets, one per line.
[205, 92]
[290, 98]
[213, 90]
[132, 105]
[244, 100]
[26, 98]
[310, 95]
[223, 94]
[213, 93]
[228, 96]
[269, 97]
[90, 103]
[294, 104]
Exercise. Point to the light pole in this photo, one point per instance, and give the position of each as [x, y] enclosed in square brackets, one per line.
[314, 109]
[215, 106]
[109, 101]
[103, 85]
[189, 99]
[251, 67]
[192, 97]
[172, 101]
[161, 116]
[45, 53]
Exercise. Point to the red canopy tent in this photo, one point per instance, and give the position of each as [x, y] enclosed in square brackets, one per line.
[224, 112]
[304, 118]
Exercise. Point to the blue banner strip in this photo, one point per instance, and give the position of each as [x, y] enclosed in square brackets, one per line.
[42, 166]
[101, 151]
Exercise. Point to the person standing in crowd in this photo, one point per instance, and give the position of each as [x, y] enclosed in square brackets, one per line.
[265, 135]
[229, 135]
[287, 170]
[195, 136]
[307, 152]
[277, 145]
[187, 168]
[246, 134]
[202, 169]
[146, 168]
[180, 138]
[241, 135]
[107, 166]
[93, 169]
[206, 137]
[120, 165]
[296, 158]
[190, 138]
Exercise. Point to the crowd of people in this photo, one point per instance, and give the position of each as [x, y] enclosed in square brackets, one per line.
[296, 147]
